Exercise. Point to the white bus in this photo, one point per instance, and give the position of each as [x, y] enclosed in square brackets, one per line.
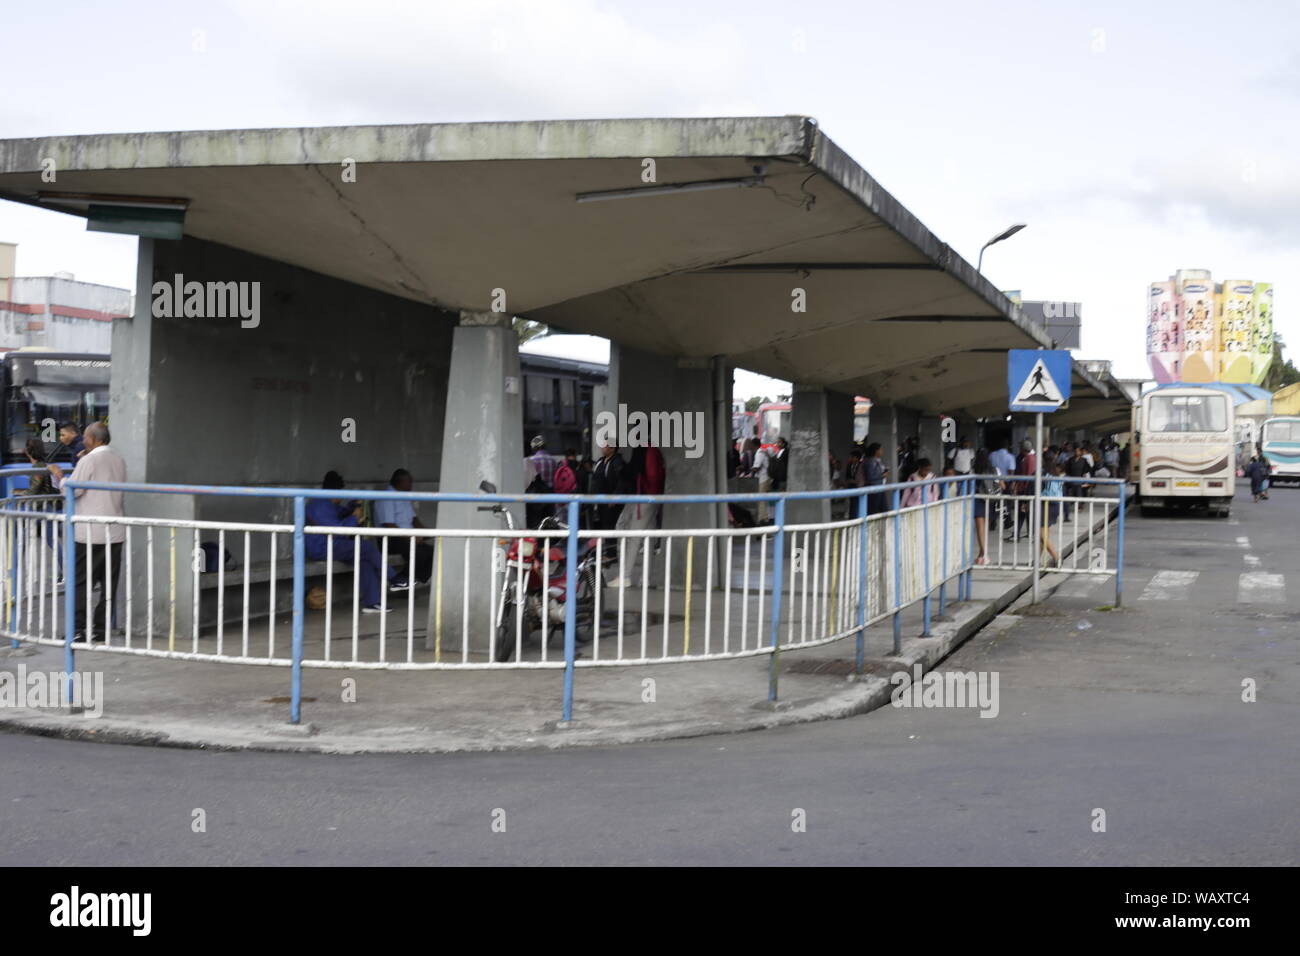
[1185, 450]
[1280, 444]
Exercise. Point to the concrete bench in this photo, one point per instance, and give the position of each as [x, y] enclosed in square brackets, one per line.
[258, 575]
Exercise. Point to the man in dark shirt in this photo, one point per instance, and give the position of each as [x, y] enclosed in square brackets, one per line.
[607, 479]
[1078, 467]
[71, 445]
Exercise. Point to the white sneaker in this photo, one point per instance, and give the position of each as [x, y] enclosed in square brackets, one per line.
[376, 609]
[622, 583]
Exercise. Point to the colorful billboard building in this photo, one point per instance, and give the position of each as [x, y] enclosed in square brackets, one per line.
[1236, 331]
[1164, 333]
[1262, 331]
[1200, 330]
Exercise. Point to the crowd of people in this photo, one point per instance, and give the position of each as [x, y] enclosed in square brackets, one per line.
[85, 457]
[1002, 470]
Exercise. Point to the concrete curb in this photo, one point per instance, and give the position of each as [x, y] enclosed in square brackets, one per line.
[859, 696]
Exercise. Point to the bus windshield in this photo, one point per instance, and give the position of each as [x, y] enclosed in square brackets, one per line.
[43, 390]
[1187, 413]
[1288, 431]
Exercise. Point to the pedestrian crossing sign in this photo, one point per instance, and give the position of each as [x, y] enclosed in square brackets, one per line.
[1038, 380]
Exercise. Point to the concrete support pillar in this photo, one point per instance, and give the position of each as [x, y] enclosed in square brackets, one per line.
[134, 413]
[931, 438]
[809, 468]
[884, 429]
[482, 441]
[839, 424]
[693, 437]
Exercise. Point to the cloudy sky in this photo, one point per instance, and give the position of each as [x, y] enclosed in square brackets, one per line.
[1134, 139]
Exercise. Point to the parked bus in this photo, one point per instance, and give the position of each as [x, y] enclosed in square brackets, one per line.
[558, 400]
[1184, 450]
[773, 422]
[42, 390]
[1280, 444]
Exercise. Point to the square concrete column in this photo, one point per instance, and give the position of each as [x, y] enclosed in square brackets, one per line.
[930, 430]
[884, 429]
[482, 441]
[139, 363]
[839, 424]
[695, 452]
[809, 468]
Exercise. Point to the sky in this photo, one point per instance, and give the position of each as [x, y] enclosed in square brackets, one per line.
[1134, 139]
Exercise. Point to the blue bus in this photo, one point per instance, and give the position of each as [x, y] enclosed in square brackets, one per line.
[1280, 444]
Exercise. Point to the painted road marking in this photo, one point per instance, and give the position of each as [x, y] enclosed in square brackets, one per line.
[1260, 587]
[1252, 560]
[1169, 586]
[1243, 542]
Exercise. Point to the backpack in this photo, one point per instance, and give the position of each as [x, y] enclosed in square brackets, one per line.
[778, 469]
[566, 482]
[653, 474]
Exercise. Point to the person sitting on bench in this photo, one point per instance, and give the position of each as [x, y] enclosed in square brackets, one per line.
[401, 514]
[339, 513]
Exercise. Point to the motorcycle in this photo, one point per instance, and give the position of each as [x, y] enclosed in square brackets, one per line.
[540, 565]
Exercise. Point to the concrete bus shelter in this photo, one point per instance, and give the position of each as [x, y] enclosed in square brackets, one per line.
[390, 260]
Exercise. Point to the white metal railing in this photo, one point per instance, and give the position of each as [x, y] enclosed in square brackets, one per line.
[304, 595]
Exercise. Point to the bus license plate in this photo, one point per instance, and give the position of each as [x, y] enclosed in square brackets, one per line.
[1183, 483]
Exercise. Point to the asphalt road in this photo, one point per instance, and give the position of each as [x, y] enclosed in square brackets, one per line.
[1136, 712]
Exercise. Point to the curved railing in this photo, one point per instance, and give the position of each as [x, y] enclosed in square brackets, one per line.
[294, 594]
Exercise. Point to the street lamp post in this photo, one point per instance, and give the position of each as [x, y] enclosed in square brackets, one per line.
[998, 238]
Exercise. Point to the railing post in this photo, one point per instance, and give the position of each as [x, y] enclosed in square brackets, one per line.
[943, 561]
[69, 585]
[898, 574]
[11, 556]
[299, 599]
[778, 563]
[862, 584]
[925, 561]
[1119, 547]
[967, 523]
[571, 605]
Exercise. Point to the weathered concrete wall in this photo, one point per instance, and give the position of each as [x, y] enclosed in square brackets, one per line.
[205, 400]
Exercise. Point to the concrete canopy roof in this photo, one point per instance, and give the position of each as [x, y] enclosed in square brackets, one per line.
[445, 214]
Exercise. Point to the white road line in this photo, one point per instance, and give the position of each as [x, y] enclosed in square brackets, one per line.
[1260, 587]
[1243, 542]
[1252, 560]
[1169, 586]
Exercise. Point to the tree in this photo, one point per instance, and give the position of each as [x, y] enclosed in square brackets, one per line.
[527, 329]
[751, 404]
[1281, 371]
